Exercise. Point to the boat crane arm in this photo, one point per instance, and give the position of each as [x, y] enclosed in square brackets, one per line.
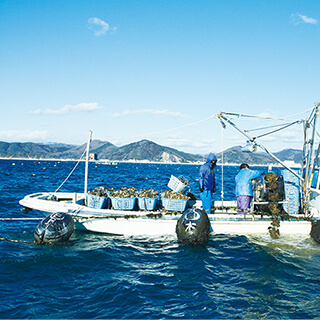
[310, 166]
[223, 116]
[279, 161]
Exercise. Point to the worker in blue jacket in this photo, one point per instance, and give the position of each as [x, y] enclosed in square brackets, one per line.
[207, 182]
[244, 187]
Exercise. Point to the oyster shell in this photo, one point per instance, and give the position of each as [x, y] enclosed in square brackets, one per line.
[101, 191]
[169, 194]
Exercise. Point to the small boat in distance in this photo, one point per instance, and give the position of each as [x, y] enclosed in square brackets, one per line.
[300, 207]
[107, 162]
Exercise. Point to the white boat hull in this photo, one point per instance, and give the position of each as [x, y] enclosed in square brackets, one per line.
[315, 202]
[143, 226]
[153, 223]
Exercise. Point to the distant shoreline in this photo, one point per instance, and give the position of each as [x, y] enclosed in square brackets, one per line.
[103, 161]
[115, 162]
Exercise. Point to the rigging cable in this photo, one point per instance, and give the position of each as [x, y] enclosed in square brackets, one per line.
[264, 128]
[238, 115]
[172, 129]
[71, 171]
[284, 127]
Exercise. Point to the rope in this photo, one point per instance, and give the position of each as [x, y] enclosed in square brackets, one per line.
[71, 171]
[16, 241]
[284, 127]
[18, 219]
[176, 128]
[216, 115]
[238, 115]
[264, 128]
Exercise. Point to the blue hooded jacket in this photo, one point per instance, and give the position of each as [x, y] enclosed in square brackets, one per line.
[243, 182]
[206, 175]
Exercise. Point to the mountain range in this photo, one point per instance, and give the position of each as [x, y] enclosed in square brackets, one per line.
[143, 150]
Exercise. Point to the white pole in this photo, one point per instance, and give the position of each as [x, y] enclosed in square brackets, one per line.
[222, 194]
[87, 163]
[311, 154]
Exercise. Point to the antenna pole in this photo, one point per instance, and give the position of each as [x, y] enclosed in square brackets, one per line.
[87, 163]
[308, 179]
[222, 160]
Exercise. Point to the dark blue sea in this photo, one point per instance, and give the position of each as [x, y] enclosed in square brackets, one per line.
[96, 276]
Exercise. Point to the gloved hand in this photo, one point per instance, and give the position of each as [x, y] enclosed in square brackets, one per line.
[201, 189]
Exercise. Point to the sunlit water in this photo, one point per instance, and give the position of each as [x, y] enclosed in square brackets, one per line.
[100, 276]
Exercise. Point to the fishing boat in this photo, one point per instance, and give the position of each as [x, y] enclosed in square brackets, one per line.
[300, 207]
[107, 162]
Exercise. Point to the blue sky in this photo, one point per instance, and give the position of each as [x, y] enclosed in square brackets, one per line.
[156, 70]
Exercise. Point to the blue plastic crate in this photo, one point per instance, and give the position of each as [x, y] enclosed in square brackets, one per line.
[97, 202]
[174, 204]
[178, 185]
[123, 203]
[291, 184]
[147, 203]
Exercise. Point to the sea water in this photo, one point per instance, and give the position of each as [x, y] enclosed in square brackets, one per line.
[101, 276]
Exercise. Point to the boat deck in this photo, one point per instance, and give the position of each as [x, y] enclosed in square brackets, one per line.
[224, 217]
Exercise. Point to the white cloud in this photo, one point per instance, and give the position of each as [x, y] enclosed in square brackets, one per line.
[85, 107]
[185, 142]
[23, 136]
[285, 137]
[100, 27]
[164, 112]
[299, 18]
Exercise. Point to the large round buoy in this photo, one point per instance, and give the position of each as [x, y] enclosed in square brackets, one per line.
[315, 231]
[55, 228]
[193, 227]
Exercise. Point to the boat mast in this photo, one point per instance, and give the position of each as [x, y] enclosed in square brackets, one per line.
[308, 175]
[222, 165]
[87, 163]
[254, 144]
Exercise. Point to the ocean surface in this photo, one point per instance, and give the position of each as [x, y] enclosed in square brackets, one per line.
[112, 277]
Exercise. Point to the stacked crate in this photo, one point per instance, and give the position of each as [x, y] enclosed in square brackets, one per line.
[291, 185]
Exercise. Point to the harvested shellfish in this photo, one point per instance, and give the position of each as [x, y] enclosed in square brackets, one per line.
[148, 193]
[169, 194]
[125, 193]
[101, 191]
